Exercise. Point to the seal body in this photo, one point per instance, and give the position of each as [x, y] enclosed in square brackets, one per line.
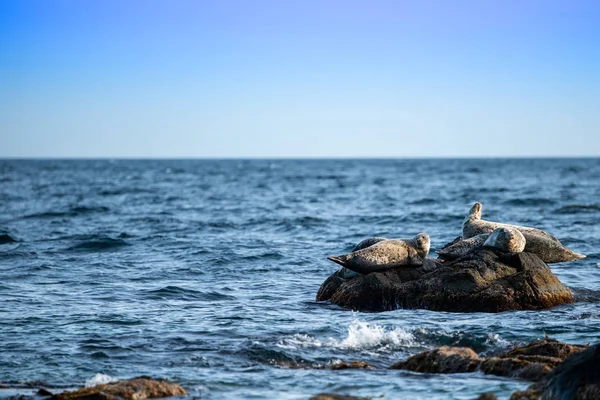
[347, 273]
[386, 254]
[538, 242]
[459, 247]
[508, 240]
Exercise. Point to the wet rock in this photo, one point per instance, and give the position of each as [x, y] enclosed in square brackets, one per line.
[350, 365]
[44, 393]
[485, 280]
[445, 360]
[487, 396]
[576, 378]
[531, 362]
[335, 396]
[131, 389]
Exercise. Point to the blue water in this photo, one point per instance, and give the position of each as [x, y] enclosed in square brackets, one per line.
[205, 272]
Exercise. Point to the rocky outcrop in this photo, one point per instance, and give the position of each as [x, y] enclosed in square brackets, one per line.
[576, 378]
[444, 360]
[484, 280]
[130, 389]
[531, 362]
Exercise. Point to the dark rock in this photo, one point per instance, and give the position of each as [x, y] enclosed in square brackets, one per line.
[487, 396]
[350, 365]
[131, 389]
[44, 393]
[4, 238]
[445, 360]
[576, 378]
[531, 362]
[485, 280]
[335, 396]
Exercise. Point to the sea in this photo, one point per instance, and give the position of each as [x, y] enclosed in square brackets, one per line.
[205, 272]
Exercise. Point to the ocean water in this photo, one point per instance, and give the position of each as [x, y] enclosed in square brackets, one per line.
[205, 272]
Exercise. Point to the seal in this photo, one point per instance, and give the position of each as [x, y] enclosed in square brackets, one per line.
[363, 244]
[459, 246]
[508, 240]
[386, 254]
[548, 248]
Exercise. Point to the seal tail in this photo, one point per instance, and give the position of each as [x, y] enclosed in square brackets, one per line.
[577, 256]
[338, 260]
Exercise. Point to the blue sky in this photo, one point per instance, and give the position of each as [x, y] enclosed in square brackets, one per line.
[299, 78]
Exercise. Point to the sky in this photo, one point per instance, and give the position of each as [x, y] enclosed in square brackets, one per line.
[299, 78]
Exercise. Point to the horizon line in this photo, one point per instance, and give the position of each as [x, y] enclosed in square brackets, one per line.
[300, 158]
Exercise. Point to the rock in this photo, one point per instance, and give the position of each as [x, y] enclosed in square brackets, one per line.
[485, 280]
[350, 365]
[487, 396]
[531, 362]
[335, 396]
[445, 360]
[131, 389]
[44, 393]
[576, 378]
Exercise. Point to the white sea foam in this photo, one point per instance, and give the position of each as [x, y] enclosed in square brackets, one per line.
[99, 379]
[361, 336]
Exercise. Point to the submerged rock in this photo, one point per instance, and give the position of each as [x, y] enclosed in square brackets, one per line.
[131, 389]
[445, 360]
[576, 378]
[485, 280]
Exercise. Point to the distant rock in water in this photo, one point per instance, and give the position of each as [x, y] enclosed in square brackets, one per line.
[484, 280]
[5, 238]
[130, 389]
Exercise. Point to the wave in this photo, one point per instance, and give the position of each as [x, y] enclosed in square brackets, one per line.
[99, 379]
[6, 238]
[360, 336]
[176, 292]
[529, 202]
[98, 243]
[71, 212]
[578, 209]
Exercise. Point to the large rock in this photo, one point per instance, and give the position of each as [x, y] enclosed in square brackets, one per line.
[484, 280]
[531, 362]
[445, 360]
[576, 378]
[130, 389]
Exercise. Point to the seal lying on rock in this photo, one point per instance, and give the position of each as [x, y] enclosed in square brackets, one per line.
[505, 239]
[386, 254]
[541, 243]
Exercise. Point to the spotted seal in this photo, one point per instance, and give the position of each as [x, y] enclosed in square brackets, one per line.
[386, 254]
[506, 239]
[459, 246]
[541, 243]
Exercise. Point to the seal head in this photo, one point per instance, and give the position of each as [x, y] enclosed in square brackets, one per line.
[506, 239]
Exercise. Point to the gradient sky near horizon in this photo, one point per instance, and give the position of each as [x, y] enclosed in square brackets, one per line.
[344, 78]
